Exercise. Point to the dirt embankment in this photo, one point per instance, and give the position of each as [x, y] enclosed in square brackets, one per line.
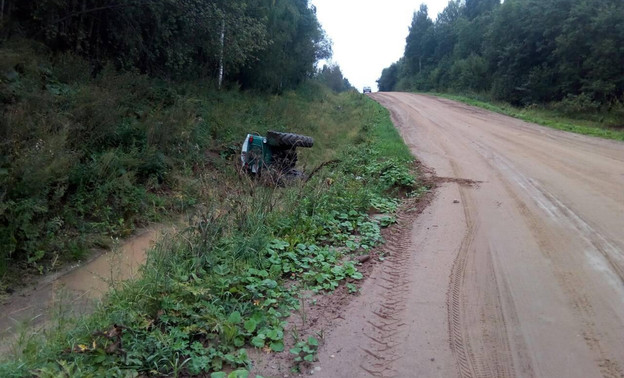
[516, 268]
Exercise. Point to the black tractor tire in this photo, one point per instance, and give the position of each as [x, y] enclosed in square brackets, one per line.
[279, 139]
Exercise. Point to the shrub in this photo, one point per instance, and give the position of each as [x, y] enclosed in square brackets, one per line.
[575, 105]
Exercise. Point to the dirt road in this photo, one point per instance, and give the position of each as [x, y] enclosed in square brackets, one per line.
[518, 275]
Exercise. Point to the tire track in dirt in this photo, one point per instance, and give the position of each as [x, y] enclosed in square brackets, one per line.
[458, 340]
[493, 338]
[485, 352]
[492, 358]
[572, 286]
[384, 345]
[570, 282]
[522, 361]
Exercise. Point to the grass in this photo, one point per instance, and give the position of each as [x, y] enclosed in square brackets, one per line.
[603, 126]
[231, 278]
[84, 158]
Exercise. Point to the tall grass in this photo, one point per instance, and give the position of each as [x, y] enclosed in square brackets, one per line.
[85, 157]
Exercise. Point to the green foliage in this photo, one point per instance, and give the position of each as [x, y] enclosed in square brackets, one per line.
[469, 73]
[297, 42]
[559, 53]
[392, 173]
[87, 156]
[231, 278]
[266, 44]
[389, 77]
[239, 373]
[577, 105]
[305, 350]
[76, 159]
[419, 43]
[332, 77]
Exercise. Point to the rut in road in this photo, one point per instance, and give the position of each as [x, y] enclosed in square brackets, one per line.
[477, 332]
[458, 338]
[493, 356]
[386, 323]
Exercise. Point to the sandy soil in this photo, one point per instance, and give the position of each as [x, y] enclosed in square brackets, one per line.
[519, 272]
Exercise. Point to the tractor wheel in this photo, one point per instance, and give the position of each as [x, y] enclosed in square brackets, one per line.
[278, 139]
[284, 159]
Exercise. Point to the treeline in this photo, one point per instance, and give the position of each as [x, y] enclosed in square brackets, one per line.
[332, 77]
[262, 44]
[521, 51]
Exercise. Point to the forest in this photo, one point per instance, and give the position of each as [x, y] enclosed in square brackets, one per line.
[568, 54]
[268, 45]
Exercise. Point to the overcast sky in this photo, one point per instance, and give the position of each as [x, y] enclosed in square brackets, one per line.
[369, 35]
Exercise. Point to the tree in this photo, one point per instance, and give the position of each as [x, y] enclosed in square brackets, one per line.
[476, 8]
[589, 51]
[420, 43]
[445, 30]
[297, 43]
[332, 76]
[520, 51]
[389, 77]
[267, 44]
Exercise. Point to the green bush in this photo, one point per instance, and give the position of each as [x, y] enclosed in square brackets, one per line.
[576, 105]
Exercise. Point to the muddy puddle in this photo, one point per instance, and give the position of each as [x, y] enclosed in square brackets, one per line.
[77, 290]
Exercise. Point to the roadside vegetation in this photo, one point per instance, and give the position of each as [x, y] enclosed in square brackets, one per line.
[554, 62]
[586, 124]
[229, 280]
[86, 159]
[110, 110]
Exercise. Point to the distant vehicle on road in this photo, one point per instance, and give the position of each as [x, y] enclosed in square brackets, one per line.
[366, 90]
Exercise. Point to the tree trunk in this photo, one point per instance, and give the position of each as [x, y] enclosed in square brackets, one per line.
[221, 68]
[79, 33]
[9, 10]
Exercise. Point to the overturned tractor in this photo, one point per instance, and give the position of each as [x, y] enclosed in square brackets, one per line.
[275, 154]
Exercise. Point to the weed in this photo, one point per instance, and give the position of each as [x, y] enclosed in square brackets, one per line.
[352, 288]
[305, 350]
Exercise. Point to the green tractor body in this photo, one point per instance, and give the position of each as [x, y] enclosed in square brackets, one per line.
[275, 152]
